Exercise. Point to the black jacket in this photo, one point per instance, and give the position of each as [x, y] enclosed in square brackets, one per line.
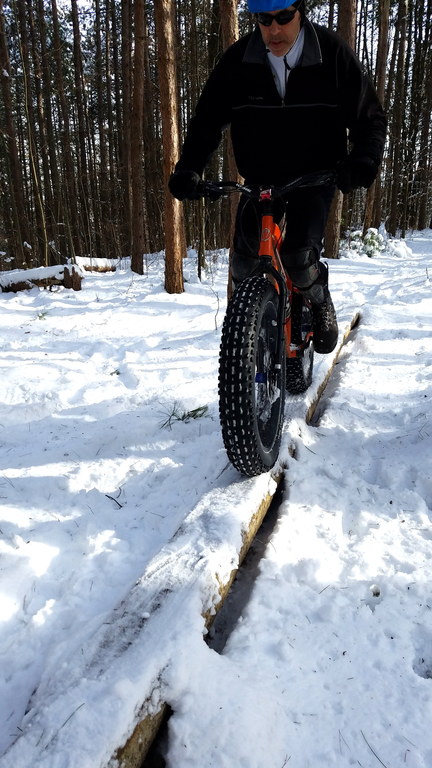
[328, 98]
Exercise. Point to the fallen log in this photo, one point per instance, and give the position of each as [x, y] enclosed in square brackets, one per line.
[70, 276]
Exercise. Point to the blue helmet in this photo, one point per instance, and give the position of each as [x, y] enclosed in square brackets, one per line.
[258, 6]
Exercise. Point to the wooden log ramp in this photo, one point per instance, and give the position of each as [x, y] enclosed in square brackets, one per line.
[154, 709]
[214, 587]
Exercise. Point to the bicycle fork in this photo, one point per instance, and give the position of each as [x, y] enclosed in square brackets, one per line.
[267, 258]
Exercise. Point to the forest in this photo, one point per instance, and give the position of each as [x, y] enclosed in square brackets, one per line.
[95, 99]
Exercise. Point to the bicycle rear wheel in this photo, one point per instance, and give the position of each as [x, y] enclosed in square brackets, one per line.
[299, 369]
[251, 379]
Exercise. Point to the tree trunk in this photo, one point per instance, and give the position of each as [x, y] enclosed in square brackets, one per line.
[70, 243]
[152, 155]
[46, 128]
[347, 16]
[165, 36]
[103, 95]
[229, 23]
[86, 182]
[346, 29]
[112, 233]
[39, 236]
[398, 116]
[125, 145]
[44, 193]
[19, 232]
[424, 172]
[137, 140]
[373, 199]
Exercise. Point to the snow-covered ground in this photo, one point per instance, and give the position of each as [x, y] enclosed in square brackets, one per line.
[104, 455]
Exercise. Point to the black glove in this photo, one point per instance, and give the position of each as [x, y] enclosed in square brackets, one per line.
[183, 185]
[356, 172]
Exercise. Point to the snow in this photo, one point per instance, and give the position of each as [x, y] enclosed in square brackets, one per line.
[105, 514]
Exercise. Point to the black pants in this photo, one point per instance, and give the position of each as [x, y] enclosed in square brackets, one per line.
[306, 212]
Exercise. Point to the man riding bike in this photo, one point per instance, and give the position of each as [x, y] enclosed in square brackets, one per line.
[297, 101]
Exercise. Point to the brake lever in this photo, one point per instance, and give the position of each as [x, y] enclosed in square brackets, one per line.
[210, 191]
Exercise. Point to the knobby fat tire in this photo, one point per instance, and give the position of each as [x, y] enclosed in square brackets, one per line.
[299, 369]
[251, 412]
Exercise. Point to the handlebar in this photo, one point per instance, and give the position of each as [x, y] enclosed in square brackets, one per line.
[214, 190]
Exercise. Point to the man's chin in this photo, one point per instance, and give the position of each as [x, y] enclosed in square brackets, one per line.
[278, 49]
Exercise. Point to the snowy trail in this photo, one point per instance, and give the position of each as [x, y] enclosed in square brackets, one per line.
[335, 646]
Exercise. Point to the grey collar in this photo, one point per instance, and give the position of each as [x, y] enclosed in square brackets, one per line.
[255, 52]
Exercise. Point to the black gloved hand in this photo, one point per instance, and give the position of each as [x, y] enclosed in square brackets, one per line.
[356, 172]
[183, 185]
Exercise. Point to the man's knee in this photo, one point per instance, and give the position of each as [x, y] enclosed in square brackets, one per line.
[241, 267]
[302, 265]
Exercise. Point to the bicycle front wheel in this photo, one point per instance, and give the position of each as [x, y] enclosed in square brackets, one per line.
[252, 378]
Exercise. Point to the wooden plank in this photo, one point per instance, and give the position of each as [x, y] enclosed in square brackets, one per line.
[133, 752]
[313, 406]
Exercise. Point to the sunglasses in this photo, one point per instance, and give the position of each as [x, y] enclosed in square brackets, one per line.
[281, 18]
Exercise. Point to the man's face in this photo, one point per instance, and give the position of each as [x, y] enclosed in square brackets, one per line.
[280, 38]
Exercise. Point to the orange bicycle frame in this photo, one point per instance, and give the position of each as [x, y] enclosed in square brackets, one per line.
[271, 237]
